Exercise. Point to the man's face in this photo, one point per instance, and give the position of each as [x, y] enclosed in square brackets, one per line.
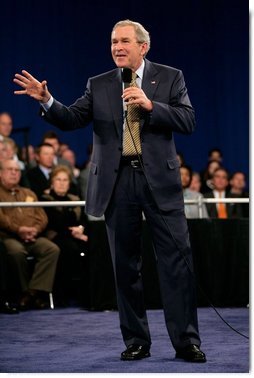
[185, 177]
[10, 174]
[125, 49]
[238, 181]
[46, 156]
[5, 125]
[220, 180]
[53, 142]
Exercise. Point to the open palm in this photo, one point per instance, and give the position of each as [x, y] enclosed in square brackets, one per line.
[32, 87]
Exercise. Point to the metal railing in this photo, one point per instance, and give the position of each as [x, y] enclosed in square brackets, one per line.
[198, 202]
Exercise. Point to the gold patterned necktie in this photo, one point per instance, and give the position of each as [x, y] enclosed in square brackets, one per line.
[133, 123]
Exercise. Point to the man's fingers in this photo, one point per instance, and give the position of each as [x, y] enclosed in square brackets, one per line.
[44, 84]
[20, 92]
[28, 75]
[21, 78]
[19, 82]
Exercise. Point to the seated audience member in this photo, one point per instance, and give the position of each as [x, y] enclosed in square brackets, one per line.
[12, 150]
[62, 148]
[237, 184]
[206, 177]
[221, 210]
[66, 229]
[191, 210]
[84, 173]
[6, 306]
[70, 156]
[39, 176]
[3, 154]
[6, 125]
[21, 231]
[180, 157]
[51, 137]
[27, 155]
[215, 154]
[195, 184]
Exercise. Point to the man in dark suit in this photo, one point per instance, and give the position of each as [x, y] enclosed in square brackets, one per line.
[123, 184]
[39, 176]
[220, 181]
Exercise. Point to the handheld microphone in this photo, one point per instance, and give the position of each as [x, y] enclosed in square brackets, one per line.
[126, 77]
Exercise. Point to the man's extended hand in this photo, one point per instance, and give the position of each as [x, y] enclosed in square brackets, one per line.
[32, 87]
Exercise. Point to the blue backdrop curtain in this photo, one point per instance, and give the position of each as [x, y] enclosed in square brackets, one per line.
[65, 42]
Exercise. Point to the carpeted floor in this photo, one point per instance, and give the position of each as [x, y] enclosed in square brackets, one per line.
[73, 340]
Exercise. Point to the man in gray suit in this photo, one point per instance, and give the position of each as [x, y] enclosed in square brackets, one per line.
[122, 185]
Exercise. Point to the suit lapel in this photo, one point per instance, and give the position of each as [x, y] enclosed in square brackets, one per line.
[114, 92]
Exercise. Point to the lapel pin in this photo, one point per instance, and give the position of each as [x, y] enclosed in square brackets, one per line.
[152, 82]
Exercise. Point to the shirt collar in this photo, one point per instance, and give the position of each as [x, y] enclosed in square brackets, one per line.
[218, 195]
[46, 171]
[140, 70]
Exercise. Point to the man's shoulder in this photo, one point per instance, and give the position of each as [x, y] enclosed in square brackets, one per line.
[27, 192]
[35, 171]
[209, 194]
[161, 67]
[106, 75]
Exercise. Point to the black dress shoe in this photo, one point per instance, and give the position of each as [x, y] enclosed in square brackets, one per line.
[8, 308]
[26, 301]
[135, 352]
[191, 353]
[40, 304]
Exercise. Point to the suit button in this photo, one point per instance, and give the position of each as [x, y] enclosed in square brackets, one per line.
[120, 148]
[116, 170]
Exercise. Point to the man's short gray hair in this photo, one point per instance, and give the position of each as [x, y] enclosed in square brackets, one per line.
[141, 33]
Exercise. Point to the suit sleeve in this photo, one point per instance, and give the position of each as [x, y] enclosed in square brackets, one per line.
[73, 117]
[178, 114]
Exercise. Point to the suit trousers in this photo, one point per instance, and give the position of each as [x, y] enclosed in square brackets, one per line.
[173, 254]
[46, 255]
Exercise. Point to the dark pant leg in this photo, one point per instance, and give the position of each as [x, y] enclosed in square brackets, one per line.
[175, 269]
[46, 254]
[17, 258]
[123, 221]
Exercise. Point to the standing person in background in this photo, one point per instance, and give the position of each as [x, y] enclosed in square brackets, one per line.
[129, 177]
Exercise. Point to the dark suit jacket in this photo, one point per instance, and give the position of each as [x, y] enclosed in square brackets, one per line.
[37, 181]
[233, 210]
[102, 104]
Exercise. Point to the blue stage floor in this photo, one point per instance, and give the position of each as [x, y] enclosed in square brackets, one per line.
[73, 340]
